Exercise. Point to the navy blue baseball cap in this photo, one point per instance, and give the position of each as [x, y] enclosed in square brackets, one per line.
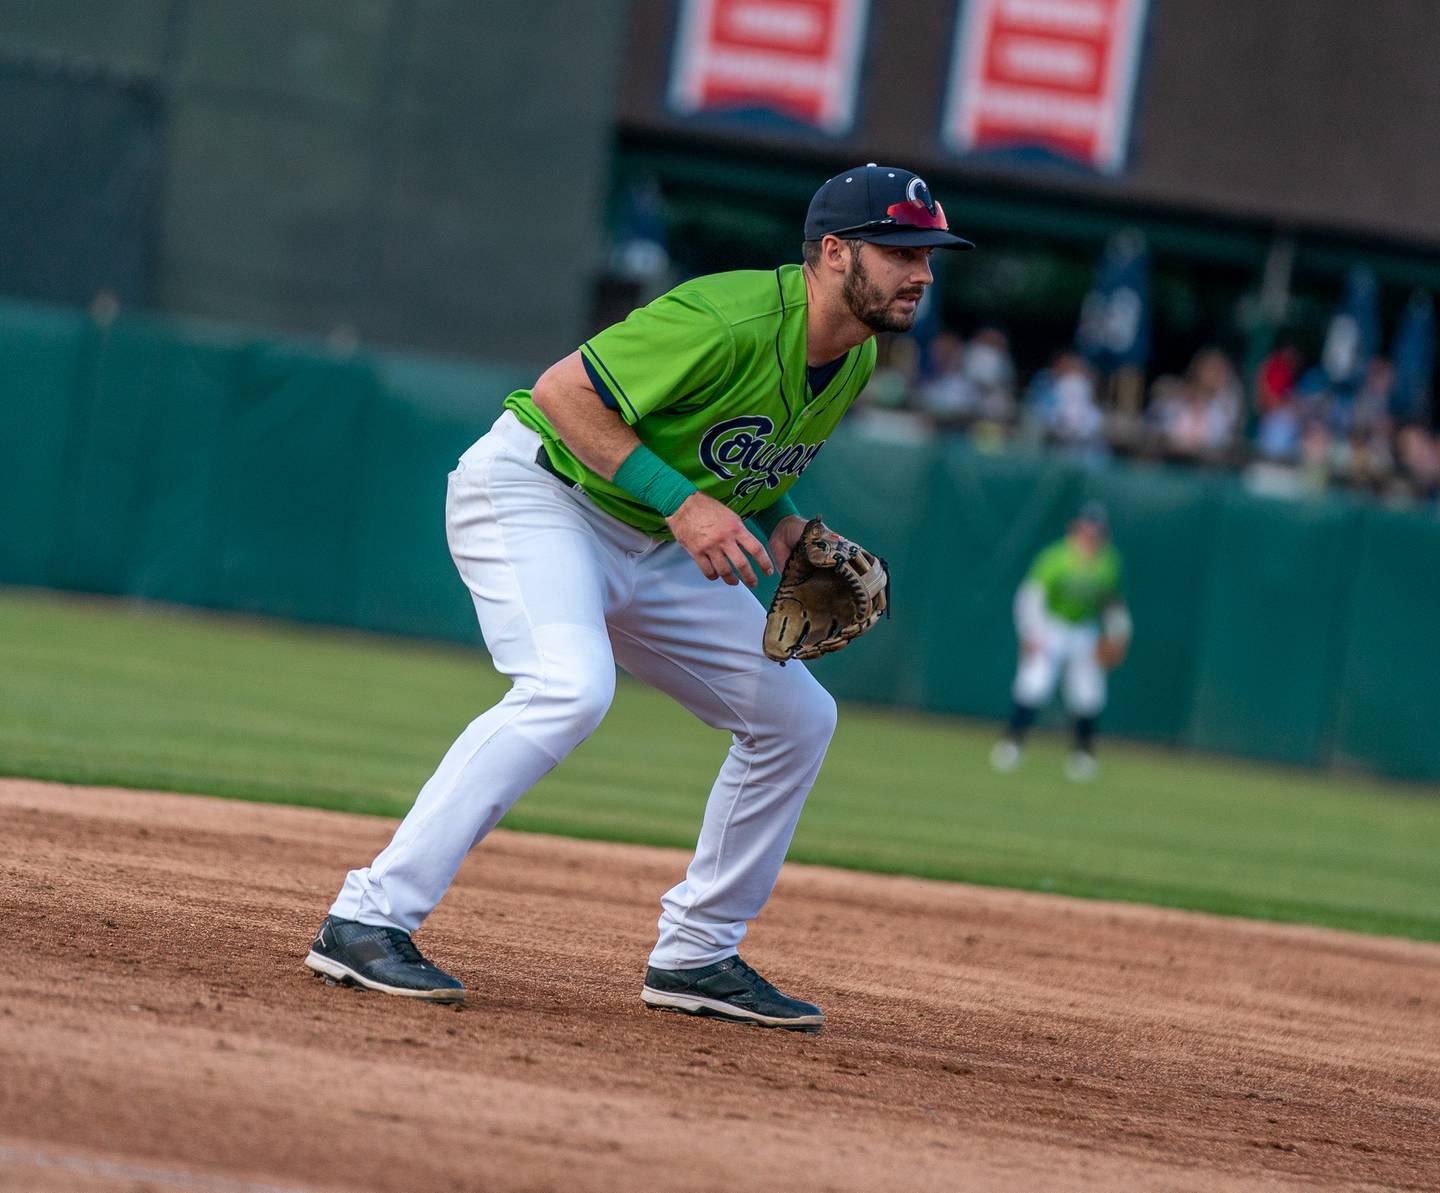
[881, 204]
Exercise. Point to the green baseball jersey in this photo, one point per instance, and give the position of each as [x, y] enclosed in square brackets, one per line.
[1077, 588]
[712, 378]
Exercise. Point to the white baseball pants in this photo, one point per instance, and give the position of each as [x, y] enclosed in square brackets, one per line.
[563, 593]
[1061, 646]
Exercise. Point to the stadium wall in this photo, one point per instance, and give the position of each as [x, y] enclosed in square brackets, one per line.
[204, 466]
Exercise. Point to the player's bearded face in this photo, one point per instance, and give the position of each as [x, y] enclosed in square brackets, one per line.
[878, 307]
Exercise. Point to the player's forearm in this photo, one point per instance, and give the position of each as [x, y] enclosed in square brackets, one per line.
[596, 434]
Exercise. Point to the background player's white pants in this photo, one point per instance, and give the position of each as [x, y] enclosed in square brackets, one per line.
[1067, 647]
[563, 592]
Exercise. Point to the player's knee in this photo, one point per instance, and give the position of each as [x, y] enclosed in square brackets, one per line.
[593, 700]
[1032, 686]
[813, 722]
[567, 693]
[1086, 699]
[582, 698]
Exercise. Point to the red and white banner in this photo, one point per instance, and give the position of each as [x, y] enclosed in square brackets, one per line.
[797, 59]
[1050, 74]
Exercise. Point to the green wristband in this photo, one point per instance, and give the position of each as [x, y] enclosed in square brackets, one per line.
[647, 477]
[772, 515]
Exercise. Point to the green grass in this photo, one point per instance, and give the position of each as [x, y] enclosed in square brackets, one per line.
[95, 691]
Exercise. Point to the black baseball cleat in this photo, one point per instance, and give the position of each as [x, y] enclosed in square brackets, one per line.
[384, 959]
[729, 989]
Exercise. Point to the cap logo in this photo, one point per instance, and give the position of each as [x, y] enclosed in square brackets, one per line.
[917, 192]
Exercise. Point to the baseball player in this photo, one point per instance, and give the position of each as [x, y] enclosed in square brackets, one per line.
[1070, 616]
[591, 525]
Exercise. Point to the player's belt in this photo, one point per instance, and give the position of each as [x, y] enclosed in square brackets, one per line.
[542, 457]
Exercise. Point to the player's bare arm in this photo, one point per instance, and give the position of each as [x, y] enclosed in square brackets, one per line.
[715, 537]
[590, 429]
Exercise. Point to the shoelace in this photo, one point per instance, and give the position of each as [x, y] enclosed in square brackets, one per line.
[404, 947]
[760, 982]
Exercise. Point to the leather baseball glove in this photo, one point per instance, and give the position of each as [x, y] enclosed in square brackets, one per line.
[831, 591]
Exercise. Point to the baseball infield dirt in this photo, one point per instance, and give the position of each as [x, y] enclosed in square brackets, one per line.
[158, 1032]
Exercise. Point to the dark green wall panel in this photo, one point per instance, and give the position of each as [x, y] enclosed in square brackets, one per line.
[117, 432]
[176, 554]
[1269, 649]
[1390, 686]
[290, 485]
[40, 359]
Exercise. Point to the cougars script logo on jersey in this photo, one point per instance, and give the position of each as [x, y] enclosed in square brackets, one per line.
[739, 446]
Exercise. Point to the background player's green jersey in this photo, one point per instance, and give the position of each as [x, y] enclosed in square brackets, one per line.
[1077, 588]
[712, 378]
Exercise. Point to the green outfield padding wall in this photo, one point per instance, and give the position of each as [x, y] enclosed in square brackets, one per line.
[213, 467]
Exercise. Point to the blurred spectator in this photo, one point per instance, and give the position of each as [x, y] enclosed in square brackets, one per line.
[1369, 409]
[948, 397]
[1199, 417]
[1278, 436]
[1368, 461]
[1275, 379]
[1166, 407]
[1419, 457]
[1315, 455]
[989, 368]
[969, 383]
[1061, 404]
[1213, 378]
[1314, 396]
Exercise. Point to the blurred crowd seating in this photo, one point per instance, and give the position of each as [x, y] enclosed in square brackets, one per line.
[1288, 429]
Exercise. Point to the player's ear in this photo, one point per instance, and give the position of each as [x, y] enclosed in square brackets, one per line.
[835, 253]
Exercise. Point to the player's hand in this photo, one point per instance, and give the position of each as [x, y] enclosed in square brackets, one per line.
[783, 538]
[718, 540]
[1028, 647]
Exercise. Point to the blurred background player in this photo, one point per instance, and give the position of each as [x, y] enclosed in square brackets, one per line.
[1070, 616]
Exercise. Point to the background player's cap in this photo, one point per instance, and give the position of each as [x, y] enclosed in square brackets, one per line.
[881, 204]
[1094, 513]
